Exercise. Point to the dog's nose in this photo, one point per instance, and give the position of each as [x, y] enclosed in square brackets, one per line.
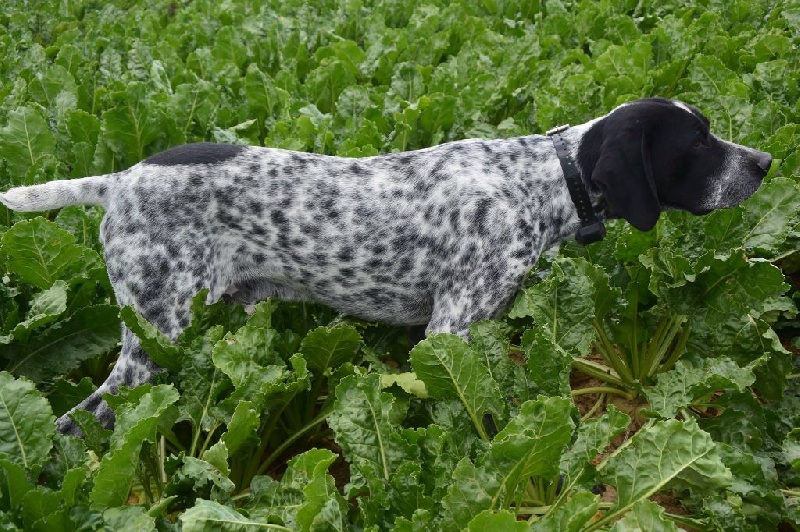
[763, 160]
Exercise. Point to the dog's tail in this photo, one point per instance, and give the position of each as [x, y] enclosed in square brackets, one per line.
[56, 194]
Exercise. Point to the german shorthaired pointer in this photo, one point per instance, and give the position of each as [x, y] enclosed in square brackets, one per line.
[442, 236]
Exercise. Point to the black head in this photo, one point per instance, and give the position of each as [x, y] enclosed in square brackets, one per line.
[656, 154]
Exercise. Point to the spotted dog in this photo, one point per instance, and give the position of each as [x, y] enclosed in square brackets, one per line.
[441, 236]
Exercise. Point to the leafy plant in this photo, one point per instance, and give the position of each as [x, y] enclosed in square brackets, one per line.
[296, 418]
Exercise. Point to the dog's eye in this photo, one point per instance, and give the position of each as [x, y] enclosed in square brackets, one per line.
[700, 140]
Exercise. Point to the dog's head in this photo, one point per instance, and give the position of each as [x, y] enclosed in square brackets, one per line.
[654, 154]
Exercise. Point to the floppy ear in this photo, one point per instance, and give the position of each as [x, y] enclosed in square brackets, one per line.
[624, 173]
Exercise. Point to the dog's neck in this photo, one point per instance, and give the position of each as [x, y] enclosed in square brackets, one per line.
[584, 142]
[573, 145]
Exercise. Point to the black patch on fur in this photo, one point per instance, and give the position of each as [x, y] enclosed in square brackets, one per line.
[198, 153]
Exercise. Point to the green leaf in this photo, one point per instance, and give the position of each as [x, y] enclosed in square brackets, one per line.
[658, 455]
[196, 478]
[27, 424]
[791, 449]
[407, 381]
[770, 214]
[322, 507]
[135, 424]
[689, 383]
[503, 521]
[451, 369]
[571, 516]
[249, 356]
[129, 519]
[131, 125]
[217, 456]
[209, 515]
[24, 139]
[155, 343]
[756, 490]
[491, 340]
[83, 223]
[45, 307]
[242, 428]
[531, 445]
[567, 302]
[41, 253]
[89, 332]
[330, 347]
[471, 491]
[593, 437]
[549, 366]
[304, 499]
[363, 419]
[645, 515]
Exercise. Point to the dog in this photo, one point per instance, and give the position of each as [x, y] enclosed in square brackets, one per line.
[441, 236]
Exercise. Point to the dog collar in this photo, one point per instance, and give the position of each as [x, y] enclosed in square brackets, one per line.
[591, 229]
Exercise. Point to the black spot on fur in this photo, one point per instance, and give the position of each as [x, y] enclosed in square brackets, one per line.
[199, 153]
[278, 218]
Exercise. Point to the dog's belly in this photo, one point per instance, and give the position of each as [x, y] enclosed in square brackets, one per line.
[383, 305]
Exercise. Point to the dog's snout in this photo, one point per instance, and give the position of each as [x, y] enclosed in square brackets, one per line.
[763, 160]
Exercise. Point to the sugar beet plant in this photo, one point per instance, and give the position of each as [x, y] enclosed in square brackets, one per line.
[295, 418]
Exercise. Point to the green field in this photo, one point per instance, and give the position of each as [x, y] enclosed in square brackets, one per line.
[660, 365]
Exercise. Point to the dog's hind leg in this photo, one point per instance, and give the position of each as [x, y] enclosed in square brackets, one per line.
[133, 368]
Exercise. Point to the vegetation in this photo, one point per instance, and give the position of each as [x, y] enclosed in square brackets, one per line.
[657, 367]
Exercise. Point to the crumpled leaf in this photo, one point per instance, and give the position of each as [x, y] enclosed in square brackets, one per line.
[659, 454]
[574, 293]
[689, 382]
[529, 445]
[305, 498]
[363, 419]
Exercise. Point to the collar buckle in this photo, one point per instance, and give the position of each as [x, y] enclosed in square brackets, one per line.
[587, 234]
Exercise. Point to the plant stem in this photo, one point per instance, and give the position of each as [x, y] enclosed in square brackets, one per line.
[598, 371]
[603, 390]
[610, 354]
[597, 404]
[679, 350]
[162, 458]
[293, 438]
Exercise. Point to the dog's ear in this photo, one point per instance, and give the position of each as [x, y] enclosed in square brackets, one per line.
[624, 173]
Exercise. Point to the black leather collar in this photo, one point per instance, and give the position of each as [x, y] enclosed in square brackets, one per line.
[591, 229]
